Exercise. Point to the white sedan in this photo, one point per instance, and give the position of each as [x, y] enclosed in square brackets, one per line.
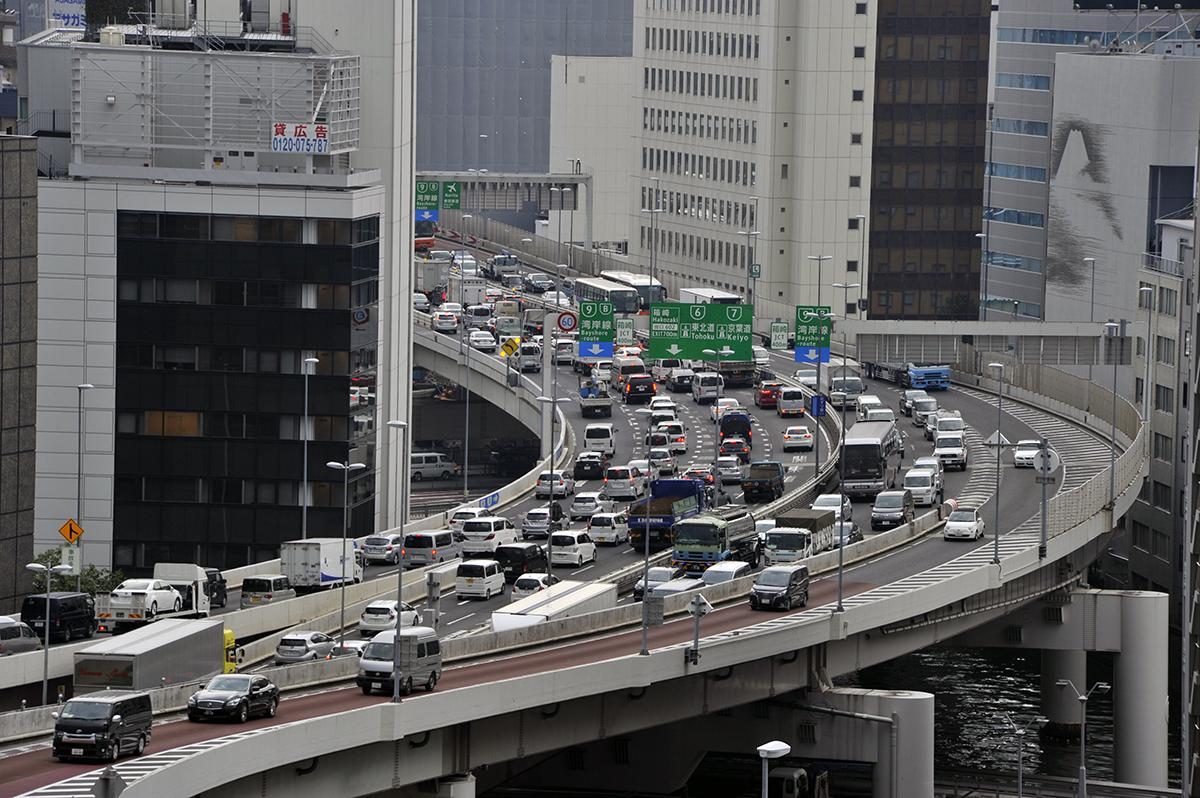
[529, 584]
[482, 340]
[964, 524]
[152, 595]
[800, 437]
[720, 406]
[589, 503]
[1025, 453]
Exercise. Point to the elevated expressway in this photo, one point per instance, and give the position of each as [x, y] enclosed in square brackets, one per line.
[535, 692]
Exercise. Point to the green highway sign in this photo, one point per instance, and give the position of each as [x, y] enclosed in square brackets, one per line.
[685, 331]
[756, 270]
[451, 195]
[596, 321]
[812, 333]
[428, 194]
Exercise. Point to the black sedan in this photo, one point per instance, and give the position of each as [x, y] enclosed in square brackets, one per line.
[234, 697]
[590, 465]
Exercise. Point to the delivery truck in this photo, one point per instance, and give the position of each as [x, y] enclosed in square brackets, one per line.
[797, 535]
[131, 611]
[171, 651]
[562, 600]
[316, 563]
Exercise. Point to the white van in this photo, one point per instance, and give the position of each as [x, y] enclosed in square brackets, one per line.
[725, 571]
[476, 317]
[483, 535]
[707, 386]
[375, 664]
[864, 403]
[600, 438]
[529, 357]
[663, 367]
[624, 367]
[432, 465]
[791, 402]
[427, 548]
[924, 484]
[479, 579]
[880, 414]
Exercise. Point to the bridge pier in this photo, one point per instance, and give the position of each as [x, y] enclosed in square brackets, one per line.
[1058, 705]
[1140, 691]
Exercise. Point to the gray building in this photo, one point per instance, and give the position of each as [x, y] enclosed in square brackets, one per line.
[484, 70]
[18, 361]
[1029, 34]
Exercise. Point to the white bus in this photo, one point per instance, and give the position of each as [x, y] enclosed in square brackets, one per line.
[649, 289]
[591, 289]
[708, 296]
[871, 458]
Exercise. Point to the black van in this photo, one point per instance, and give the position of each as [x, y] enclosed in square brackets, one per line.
[71, 615]
[780, 587]
[103, 725]
[517, 559]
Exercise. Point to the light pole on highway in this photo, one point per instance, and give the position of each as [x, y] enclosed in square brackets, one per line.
[842, 444]
[750, 235]
[1098, 687]
[718, 486]
[87, 386]
[345, 468]
[820, 260]
[645, 413]
[654, 209]
[1091, 264]
[862, 262]
[1113, 331]
[309, 364]
[1146, 300]
[55, 570]
[999, 411]
[1019, 731]
[553, 402]
[402, 427]
[768, 752]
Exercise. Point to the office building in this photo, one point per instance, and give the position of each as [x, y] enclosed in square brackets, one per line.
[18, 362]
[228, 231]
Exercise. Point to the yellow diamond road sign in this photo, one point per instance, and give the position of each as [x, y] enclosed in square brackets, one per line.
[71, 531]
[510, 346]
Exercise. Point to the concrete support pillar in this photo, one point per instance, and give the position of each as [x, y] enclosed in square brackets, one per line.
[905, 765]
[1059, 705]
[1140, 692]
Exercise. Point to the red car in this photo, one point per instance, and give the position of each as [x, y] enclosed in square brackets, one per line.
[767, 394]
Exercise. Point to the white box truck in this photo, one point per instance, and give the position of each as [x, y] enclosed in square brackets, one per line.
[172, 651]
[466, 289]
[316, 563]
[563, 600]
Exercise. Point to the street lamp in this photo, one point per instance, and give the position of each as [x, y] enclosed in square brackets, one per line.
[766, 752]
[55, 570]
[1091, 263]
[750, 234]
[842, 448]
[309, 364]
[1113, 330]
[820, 259]
[1019, 731]
[1099, 687]
[654, 209]
[1147, 292]
[999, 411]
[87, 386]
[552, 401]
[645, 412]
[985, 267]
[717, 354]
[345, 468]
[402, 426]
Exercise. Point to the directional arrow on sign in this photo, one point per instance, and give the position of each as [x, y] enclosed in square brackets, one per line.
[425, 215]
[674, 349]
[596, 349]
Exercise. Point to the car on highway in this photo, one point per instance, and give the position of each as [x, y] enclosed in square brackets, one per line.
[381, 614]
[554, 483]
[482, 341]
[797, 438]
[806, 377]
[444, 322]
[459, 517]
[892, 508]
[725, 571]
[518, 559]
[440, 255]
[838, 503]
[738, 447]
[428, 548]
[677, 440]
[602, 371]
[155, 594]
[658, 575]
[767, 394]
[721, 406]
[908, 397]
[17, 637]
[638, 389]
[925, 485]
[680, 380]
[624, 482]
[662, 368]
[609, 528]
[588, 503]
[665, 403]
[530, 584]
[483, 535]
[951, 449]
[347, 648]
[303, 646]
[384, 547]
[681, 584]
[1025, 453]
[701, 473]
[539, 522]
[589, 465]
[537, 283]
[729, 469]
[880, 414]
[929, 462]
[845, 533]
[572, 547]
[663, 462]
[780, 587]
[420, 302]
[600, 438]
[965, 523]
[791, 402]
[922, 409]
[655, 438]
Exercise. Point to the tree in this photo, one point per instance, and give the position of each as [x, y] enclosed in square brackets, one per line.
[92, 580]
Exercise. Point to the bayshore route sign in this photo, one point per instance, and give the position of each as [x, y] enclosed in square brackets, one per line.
[685, 331]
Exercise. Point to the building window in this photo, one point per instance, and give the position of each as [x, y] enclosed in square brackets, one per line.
[860, 52]
[1162, 546]
[1010, 80]
[856, 138]
[1164, 399]
[1014, 171]
[855, 181]
[1141, 536]
[1009, 261]
[172, 424]
[1023, 127]
[1161, 496]
[1164, 349]
[1014, 216]
[1167, 299]
[856, 95]
[851, 265]
[1164, 448]
[852, 223]
[860, 8]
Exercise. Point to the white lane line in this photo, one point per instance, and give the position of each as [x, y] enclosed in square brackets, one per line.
[456, 620]
[466, 601]
[581, 570]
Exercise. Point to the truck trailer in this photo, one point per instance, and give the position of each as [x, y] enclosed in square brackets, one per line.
[561, 600]
[171, 651]
[316, 563]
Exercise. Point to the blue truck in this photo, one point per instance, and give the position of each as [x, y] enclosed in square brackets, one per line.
[716, 536]
[911, 375]
[670, 501]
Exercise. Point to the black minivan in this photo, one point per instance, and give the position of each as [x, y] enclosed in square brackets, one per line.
[103, 725]
[71, 615]
[518, 559]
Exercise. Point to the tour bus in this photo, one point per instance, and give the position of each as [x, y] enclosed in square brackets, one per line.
[590, 289]
[871, 458]
[708, 296]
[649, 289]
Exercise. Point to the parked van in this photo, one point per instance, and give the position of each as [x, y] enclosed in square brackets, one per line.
[725, 571]
[265, 589]
[625, 367]
[102, 725]
[375, 664]
[600, 438]
[426, 548]
[791, 402]
[529, 357]
[707, 386]
[71, 615]
[479, 579]
[864, 403]
[432, 465]
[483, 535]
[780, 587]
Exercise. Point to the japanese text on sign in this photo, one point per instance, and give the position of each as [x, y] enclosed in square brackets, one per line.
[679, 330]
[595, 321]
[300, 137]
[428, 194]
